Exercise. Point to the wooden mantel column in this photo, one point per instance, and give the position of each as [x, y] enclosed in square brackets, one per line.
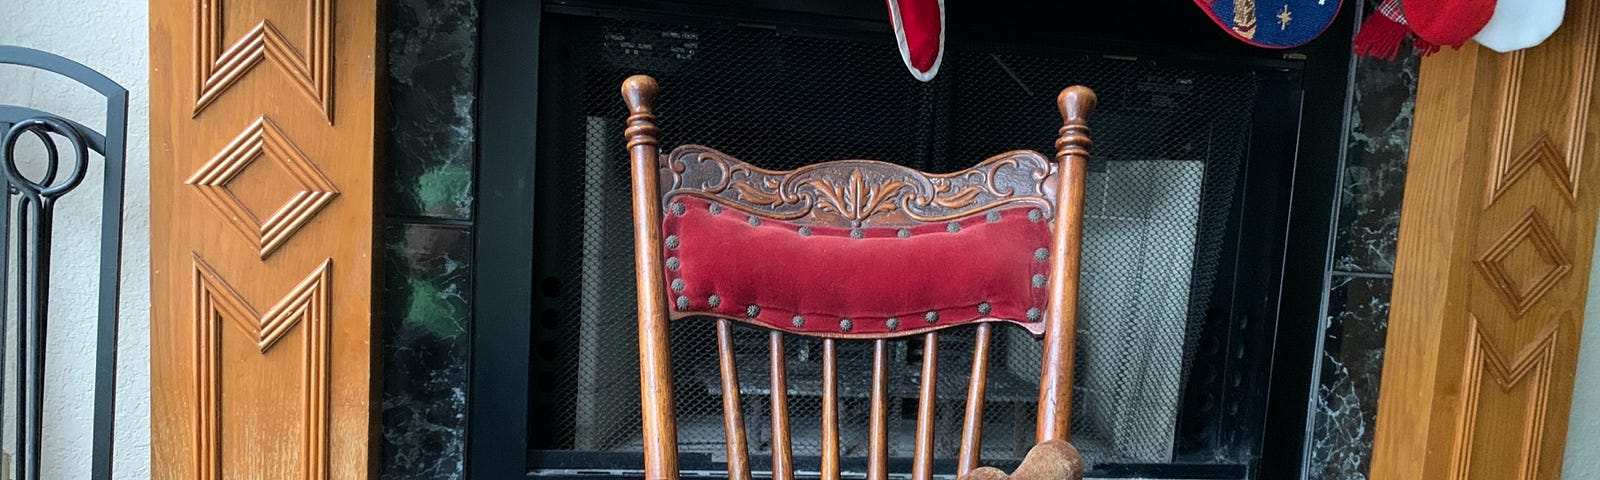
[263, 126]
[1496, 232]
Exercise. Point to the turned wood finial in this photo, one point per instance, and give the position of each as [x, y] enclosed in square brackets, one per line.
[1076, 103]
[639, 92]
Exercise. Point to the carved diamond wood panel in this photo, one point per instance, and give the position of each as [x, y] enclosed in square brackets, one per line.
[306, 305]
[251, 376]
[308, 69]
[1534, 363]
[1519, 295]
[263, 139]
[1560, 164]
[1543, 153]
[1477, 375]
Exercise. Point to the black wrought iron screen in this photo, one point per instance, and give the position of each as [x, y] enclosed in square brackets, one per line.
[45, 156]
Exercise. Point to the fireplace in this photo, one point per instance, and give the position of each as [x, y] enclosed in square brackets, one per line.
[1188, 232]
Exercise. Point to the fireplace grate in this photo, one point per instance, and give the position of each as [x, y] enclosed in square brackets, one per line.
[1167, 162]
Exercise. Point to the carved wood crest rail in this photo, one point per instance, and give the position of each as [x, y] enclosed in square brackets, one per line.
[860, 193]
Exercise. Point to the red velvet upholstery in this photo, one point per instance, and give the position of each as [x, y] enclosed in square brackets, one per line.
[725, 261]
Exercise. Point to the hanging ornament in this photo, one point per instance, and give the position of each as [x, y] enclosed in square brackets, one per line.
[1272, 23]
[1383, 31]
[1519, 24]
[1447, 22]
[919, 31]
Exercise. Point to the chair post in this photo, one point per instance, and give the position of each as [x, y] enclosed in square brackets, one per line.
[1072, 154]
[660, 434]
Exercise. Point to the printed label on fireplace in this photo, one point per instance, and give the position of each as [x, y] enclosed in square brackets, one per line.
[649, 49]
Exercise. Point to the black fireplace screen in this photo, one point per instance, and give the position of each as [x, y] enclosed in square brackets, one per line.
[1169, 144]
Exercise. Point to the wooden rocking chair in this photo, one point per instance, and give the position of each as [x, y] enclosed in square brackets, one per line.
[858, 250]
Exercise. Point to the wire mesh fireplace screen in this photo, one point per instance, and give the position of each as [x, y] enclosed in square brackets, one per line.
[1169, 144]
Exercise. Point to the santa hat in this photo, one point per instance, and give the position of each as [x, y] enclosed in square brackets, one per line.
[919, 31]
[1272, 23]
[1519, 24]
[1447, 22]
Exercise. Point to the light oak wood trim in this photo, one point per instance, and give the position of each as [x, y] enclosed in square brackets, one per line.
[1485, 261]
[305, 305]
[1520, 294]
[299, 374]
[1429, 250]
[1542, 153]
[1483, 359]
[262, 140]
[1503, 174]
[309, 70]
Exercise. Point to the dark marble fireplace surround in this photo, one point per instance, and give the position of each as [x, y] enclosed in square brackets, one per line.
[429, 227]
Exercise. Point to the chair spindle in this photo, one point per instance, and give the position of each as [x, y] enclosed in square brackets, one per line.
[922, 455]
[782, 456]
[878, 429]
[972, 423]
[830, 413]
[732, 413]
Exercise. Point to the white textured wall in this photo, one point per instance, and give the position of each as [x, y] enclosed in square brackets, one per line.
[1583, 431]
[109, 36]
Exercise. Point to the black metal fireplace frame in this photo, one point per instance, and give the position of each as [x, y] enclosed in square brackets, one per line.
[1307, 130]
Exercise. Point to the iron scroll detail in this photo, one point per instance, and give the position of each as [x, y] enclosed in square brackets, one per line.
[63, 150]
